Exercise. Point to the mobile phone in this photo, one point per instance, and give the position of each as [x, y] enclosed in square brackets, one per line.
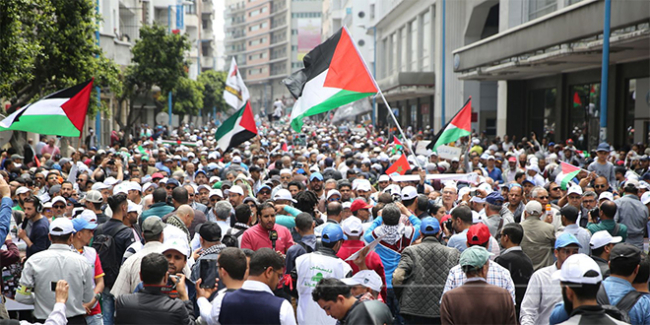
[208, 273]
[53, 286]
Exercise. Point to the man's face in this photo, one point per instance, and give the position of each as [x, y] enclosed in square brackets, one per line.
[555, 191]
[575, 200]
[23, 196]
[382, 185]
[190, 194]
[564, 252]
[329, 186]
[363, 214]
[449, 195]
[316, 185]
[293, 189]
[203, 196]
[66, 190]
[201, 179]
[30, 210]
[285, 179]
[267, 218]
[264, 194]
[362, 193]
[346, 193]
[601, 185]
[230, 177]
[542, 197]
[589, 202]
[234, 199]
[82, 180]
[52, 179]
[170, 188]
[132, 217]
[39, 180]
[335, 309]
[176, 261]
[105, 194]
[514, 196]
[58, 208]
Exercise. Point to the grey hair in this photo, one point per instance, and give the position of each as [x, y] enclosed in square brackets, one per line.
[590, 193]
[222, 210]
[534, 192]
[391, 214]
[330, 181]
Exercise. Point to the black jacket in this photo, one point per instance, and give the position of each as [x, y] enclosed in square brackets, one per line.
[151, 306]
[521, 269]
[370, 312]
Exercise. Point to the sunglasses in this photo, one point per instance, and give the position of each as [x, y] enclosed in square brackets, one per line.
[599, 186]
[58, 206]
[191, 195]
[213, 200]
[543, 197]
[265, 192]
[555, 189]
[170, 187]
[334, 199]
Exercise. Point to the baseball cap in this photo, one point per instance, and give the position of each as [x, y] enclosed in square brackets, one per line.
[575, 189]
[153, 225]
[89, 216]
[80, 223]
[110, 181]
[565, 240]
[603, 147]
[235, 189]
[478, 234]
[606, 196]
[624, 250]
[22, 190]
[367, 278]
[512, 159]
[494, 198]
[94, 196]
[209, 231]
[333, 192]
[363, 185]
[579, 268]
[476, 199]
[318, 176]
[332, 233]
[384, 178]
[61, 227]
[645, 198]
[429, 226]
[172, 181]
[99, 186]
[59, 199]
[475, 256]
[409, 193]
[347, 205]
[216, 192]
[360, 204]
[527, 180]
[178, 245]
[134, 207]
[352, 226]
[236, 160]
[632, 183]
[602, 238]
[157, 175]
[283, 194]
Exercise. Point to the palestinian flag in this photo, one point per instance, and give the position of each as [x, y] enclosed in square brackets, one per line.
[334, 75]
[459, 126]
[400, 166]
[62, 113]
[240, 126]
[577, 102]
[568, 173]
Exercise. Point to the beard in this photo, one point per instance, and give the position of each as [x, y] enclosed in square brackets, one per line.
[568, 304]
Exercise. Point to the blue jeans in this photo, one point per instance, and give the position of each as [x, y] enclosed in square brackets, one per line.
[393, 304]
[108, 307]
[95, 320]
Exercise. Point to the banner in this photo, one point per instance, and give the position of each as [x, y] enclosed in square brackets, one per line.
[447, 152]
[469, 178]
[308, 35]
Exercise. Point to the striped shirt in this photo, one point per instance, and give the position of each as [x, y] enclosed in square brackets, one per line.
[497, 275]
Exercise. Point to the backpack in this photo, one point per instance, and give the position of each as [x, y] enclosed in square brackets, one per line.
[622, 309]
[230, 239]
[104, 244]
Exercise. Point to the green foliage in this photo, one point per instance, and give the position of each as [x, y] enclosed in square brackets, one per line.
[187, 97]
[51, 45]
[213, 84]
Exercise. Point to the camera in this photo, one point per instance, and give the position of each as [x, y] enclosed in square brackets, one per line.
[448, 225]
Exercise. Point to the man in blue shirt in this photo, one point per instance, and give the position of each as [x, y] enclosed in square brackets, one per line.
[461, 221]
[493, 172]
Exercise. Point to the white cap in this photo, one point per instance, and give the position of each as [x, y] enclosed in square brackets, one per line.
[61, 226]
[333, 192]
[214, 179]
[384, 178]
[602, 238]
[236, 160]
[286, 171]
[22, 190]
[352, 226]
[363, 185]
[393, 189]
[235, 189]
[216, 192]
[178, 245]
[644, 184]
[133, 207]
[47, 205]
[477, 199]
[59, 199]
[110, 181]
[99, 186]
[575, 268]
[463, 191]
[121, 188]
[409, 193]
[606, 196]
[645, 198]
[534, 208]
[476, 217]
[574, 190]
[89, 216]
[366, 278]
[133, 186]
[346, 205]
[283, 194]
[146, 186]
[485, 187]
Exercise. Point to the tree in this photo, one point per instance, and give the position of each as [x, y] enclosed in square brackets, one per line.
[187, 97]
[213, 84]
[158, 60]
[48, 45]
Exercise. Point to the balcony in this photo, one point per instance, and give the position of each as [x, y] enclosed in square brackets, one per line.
[278, 8]
[278, 39]
[207, 7]
[208, 62]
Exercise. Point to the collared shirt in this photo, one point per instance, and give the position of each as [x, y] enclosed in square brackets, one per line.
[581, 234]
[511, 249]
[609, 225]
[129, 276]
[617, 288]
[497, 275]
[458, 241]
[286, 311]
[632, 213]
[542, 294]
[59, 262]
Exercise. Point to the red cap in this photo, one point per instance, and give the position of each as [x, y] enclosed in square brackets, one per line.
[359, 204]
[512, 159]
[478, 234]
[157, 175]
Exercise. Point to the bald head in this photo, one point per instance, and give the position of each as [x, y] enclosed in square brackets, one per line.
[186, 214]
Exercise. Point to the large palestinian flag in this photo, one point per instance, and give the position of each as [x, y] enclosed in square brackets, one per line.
[62, 113]
[334, 75]
[241, 125]
[459, 126]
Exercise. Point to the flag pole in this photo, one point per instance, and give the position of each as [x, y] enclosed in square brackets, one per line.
[390, 110]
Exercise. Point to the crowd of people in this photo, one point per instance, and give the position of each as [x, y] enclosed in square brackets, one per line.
[286, 228]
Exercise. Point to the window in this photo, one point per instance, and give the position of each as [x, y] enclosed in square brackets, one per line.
[306, 15]
[257, 41]
[427, 39]
[258, 11]
[542, 119]
[294, 32]
[538, 8]
[258, 56]
[256, 71]
[403, 58]
[259, 26]
[415, 51]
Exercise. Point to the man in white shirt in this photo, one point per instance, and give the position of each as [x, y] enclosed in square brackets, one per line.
[543, 291]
